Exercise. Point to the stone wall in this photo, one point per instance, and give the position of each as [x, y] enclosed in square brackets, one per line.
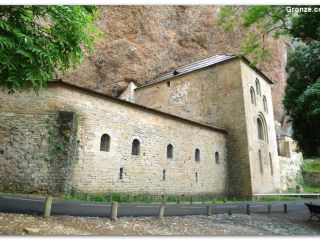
[290, 170]
[35, 148]
[96, 171]
[312, 178]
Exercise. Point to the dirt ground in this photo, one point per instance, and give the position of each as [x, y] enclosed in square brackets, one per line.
[221, 224]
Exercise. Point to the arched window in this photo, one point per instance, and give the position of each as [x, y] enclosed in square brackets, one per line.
[169, 151]
[164, 175]
[196, 177]
[197, 155]
[258, 87]
[253, 96]
[105, 143]
[121, 173]
[262, 128]
[135, 147]
[271, 166]
[260, 160]
[217, 157]
[265, 104]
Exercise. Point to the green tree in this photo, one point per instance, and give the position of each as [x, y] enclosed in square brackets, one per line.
[302, 93]
[37, 42]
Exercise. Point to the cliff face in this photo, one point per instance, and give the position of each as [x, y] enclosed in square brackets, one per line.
[141, 42]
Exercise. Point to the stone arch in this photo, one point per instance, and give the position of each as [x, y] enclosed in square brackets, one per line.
[105, 143]
[262, 128]
[253, 96]
[169, 151]
[135, 147]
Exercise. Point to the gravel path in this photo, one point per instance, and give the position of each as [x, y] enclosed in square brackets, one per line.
[221, 224]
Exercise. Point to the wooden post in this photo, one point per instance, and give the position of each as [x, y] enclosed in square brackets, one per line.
[202, 198]
[234, 199]
[191, 199]
[248, 209]
[161, 212]
[163, 199]
[229, 212]
[47, 206]
[285, 208]
[225, 199]
[269, 209]
[114, 211]
[209, 211]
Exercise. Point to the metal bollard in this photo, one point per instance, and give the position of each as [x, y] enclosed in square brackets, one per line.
[161, 212]
[269, 209]
[285, 208]
[47, 206]
[114, 211]
[248, 209]
[229, 212]
[209, 211]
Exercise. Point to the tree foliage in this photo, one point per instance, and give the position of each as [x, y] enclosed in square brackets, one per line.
[302, 93]
[36, 42]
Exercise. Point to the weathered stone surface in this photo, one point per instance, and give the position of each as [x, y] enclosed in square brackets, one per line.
[141, 42]
[96, 171]
[312, 178]
[31, 230]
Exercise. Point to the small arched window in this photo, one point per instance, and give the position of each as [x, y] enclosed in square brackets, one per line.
[253, 96]
[260, 160]
[217, 157]
[260, 129]
[271, 166]
[105, 143]
[169, 151]
[197, 155]
[265, 104]
[258, 89]
[135, 147]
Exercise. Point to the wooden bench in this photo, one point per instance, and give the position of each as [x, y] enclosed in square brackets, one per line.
[314, 210]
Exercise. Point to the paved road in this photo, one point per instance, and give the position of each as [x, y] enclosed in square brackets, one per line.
[31, 205]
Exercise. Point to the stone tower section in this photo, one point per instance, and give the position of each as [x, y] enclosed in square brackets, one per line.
[219, 94]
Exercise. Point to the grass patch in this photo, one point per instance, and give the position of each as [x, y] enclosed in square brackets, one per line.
[311, 166]
[310, 189]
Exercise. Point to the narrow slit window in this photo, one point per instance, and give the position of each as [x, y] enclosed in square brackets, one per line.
[265, 104]
[121, 174]
[197, 155]
[258, 89]
[271, 166]
[217, 157]
[261, 163]
[253, 96]
[135, 147]
[169, 151]
[163, 175]
[196, 177]
[105, 143]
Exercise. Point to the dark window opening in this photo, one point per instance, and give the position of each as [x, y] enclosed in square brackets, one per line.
[261, 163]
[271, 166]
[168, 84]
[121, 173]
[164, 175]
[265, 104]
[169, 151]
[196, 177]
[135, 147]
[253, 96]
[217, 157]
[258, 89]
[105, 143]
[175, 72]
[197, 155]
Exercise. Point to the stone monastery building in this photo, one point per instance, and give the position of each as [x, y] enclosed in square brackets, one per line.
[204, 128]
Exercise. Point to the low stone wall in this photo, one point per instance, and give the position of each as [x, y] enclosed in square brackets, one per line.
[290, 172]
[312, 178]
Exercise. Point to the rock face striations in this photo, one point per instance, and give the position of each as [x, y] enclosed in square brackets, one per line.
[141, 42]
